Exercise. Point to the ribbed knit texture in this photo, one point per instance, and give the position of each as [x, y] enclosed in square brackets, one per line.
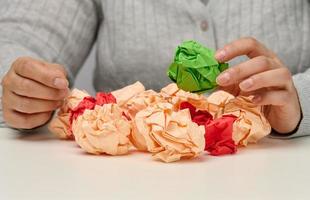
[136, 38]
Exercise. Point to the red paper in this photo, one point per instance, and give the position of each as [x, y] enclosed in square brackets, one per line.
[218, 134]
[200, 117]
[104, 98]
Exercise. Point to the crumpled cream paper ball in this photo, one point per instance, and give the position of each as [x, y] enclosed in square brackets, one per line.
[169, 135]
[103, 130]
[60, 125]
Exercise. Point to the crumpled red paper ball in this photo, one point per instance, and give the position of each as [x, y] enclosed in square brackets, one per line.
[218, 132]
[219, 136]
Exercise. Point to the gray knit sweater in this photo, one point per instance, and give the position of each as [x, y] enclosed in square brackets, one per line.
[136, 38]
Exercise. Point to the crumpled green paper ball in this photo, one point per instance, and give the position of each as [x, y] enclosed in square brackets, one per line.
[194, 68]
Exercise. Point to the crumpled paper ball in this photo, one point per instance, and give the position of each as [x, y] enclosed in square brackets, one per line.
[194, 67]
[103, 130]
[60, 125]
[218, 132]
[126, 93]
[251, 124]
[169, 135]
[174, 95]
[134, 98]
[219, 136]
[140, 102]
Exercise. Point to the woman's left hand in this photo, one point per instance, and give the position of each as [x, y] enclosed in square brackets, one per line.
[265, 77]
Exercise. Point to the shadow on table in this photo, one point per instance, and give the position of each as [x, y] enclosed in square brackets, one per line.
[37, 135]
[269, 143]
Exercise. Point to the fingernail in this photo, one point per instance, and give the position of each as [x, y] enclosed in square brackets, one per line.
[247, 84]
[220, 55]
[256, 99]
[223, 78]
[61, 83]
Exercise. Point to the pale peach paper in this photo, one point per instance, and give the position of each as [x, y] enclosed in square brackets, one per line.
[140, 102]
[169, 135]
[134, 98]
[172, 94]
[217, 102]
[103, 130]
[124, 94]
[60, 123]
[251, 124]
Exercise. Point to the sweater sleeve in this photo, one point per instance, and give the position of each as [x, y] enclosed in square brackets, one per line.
[58, 31]
[302, 82]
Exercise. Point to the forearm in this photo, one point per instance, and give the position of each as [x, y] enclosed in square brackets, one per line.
[56, 31]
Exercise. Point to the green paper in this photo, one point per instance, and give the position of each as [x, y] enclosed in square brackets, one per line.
[194, 68]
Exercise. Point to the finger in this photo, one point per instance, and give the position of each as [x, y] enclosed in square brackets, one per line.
[277, 78]
[29, 88]
[245, 46]
[25, 121]
[271, 97]
[28, 105]
[50, 75]
[245, 69]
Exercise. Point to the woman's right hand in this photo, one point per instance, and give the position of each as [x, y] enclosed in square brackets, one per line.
[32, 90]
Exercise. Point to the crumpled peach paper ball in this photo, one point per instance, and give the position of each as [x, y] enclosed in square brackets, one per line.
[169, 135]
[134, 98]
[172, 94]
[103, 130]
[60, 124]
[250, 125]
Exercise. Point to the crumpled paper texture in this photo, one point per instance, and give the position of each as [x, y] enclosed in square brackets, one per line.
[126, 93]
[174, 95]
[169, 135]
[60, 125]
[250, 126]
[140, 102]
[134, 98]
[103, 130]
[194, 67]
[171, 124]
[218, 132]
[218, 136]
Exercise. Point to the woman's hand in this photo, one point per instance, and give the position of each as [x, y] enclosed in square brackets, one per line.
[32, 90]
[265, 77]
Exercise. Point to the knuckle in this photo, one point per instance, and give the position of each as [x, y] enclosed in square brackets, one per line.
[256, 79]
[235, 71]
[286, 74]
[25, 66]
[265, 62]
[252, 41]
[18, 61]
[24, 85]
[5, 82]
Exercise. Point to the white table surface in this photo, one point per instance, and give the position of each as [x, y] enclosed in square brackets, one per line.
[38, 166]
